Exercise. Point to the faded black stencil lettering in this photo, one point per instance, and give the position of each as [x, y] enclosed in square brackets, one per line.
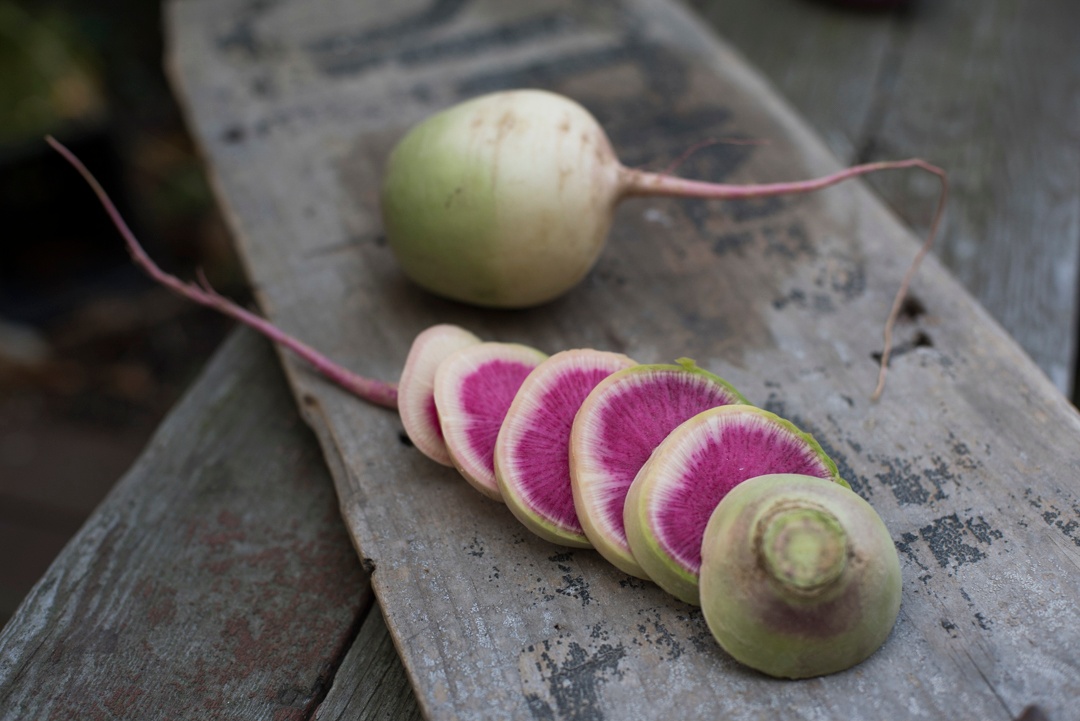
[570, 679]
[345, 56]
[652, 631]
[241, 35]
[543, 74]
[1068, 524]
[439, 12]
[905, 483]
[947, 539]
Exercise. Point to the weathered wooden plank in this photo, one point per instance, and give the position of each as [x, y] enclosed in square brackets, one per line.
[371, 682]
[215, 581]
[987, 90]
[968, 458]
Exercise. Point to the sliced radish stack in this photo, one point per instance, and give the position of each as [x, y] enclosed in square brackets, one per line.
[474, 387]
[672, 498]
[619, 425]
[532, 454]
[416, 389]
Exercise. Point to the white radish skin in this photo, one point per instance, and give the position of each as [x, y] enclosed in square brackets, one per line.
[506, 200]
[464, 380]
[416, 389]
[501, 201]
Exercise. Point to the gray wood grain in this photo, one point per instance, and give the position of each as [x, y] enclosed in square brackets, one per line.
[989, 91]
[216, 581]
[970, 457]
[371, 682]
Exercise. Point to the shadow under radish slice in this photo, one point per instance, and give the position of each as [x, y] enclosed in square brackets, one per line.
[672, 498]
[619, 425]
[532, 454]
[474, 387]
[416, 389]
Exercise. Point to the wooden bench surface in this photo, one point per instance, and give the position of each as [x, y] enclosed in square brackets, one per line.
[215, 581]
[969, 457]
[987, 90]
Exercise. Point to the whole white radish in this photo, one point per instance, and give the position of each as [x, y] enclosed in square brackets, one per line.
[505, 200]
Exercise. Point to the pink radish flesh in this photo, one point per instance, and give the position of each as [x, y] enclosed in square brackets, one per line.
[532, 455]
[474, 388]
[742, 452]
[487, 394]
[672, 498]
[618, 427]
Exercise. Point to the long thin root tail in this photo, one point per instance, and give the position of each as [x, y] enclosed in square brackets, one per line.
[373, 391]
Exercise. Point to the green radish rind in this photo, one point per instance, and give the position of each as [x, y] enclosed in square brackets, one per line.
[640, 508]
[456, 421]
[587, 474]
[525, 411]
[798, 630]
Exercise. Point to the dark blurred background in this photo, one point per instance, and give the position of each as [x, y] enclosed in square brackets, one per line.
[92, 355]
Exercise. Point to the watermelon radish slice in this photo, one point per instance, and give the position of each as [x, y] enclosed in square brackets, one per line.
[617, 428]
[532, 454]
[416, 389]
[474, 387]
[671, 499]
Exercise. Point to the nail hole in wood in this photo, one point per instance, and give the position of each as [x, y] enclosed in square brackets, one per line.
[233, 134]
[921, 340]
[911, 308]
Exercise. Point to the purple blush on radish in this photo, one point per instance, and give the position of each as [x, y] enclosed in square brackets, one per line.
[532, 454]
[799, 576]
[619, 425]
[671, 499]
[416, 389]
[474, 388]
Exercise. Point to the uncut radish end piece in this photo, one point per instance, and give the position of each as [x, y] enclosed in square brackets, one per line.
[532, 453]
[799, 576]
[672, 498]
[416, 389]
[474, 388]
[620, 424]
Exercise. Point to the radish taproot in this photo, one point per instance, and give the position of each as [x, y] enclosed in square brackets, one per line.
[474, 388]
[617, 428]
[670, 501]
[505, 200]
[416, 389]
[532, 452]
[799, 576]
